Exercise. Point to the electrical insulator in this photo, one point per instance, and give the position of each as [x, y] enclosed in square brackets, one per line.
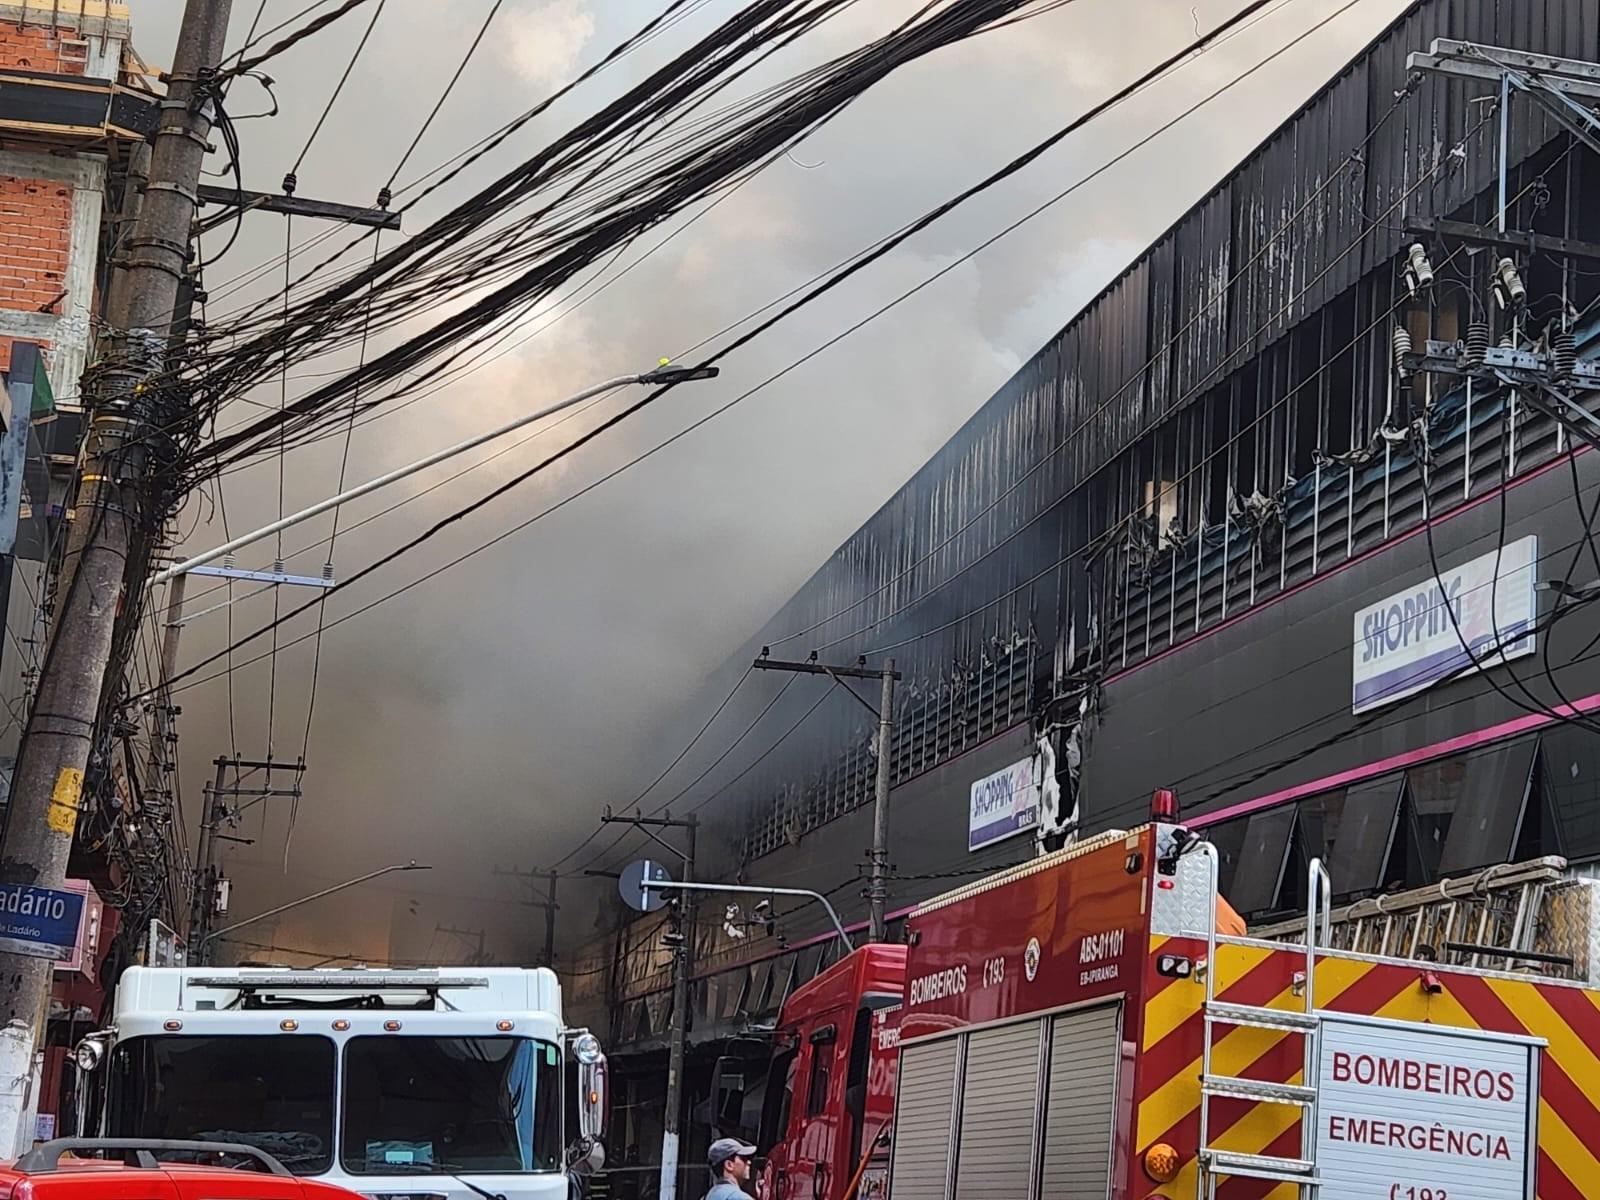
[1477, 344]
[1402, 347]
[1419, 270]
[1564, 354]
[1509, 289]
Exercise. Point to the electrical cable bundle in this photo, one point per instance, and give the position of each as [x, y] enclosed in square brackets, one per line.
[587, 194]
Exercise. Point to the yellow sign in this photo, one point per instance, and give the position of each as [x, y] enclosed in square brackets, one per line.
[62, 815]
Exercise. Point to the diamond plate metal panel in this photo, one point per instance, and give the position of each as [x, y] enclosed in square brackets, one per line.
[1570, 925]
[1185, 908]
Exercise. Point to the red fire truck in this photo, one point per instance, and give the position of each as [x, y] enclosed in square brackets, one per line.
[1077, 1027]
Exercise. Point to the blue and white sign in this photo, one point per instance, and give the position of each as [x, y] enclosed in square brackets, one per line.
[1408, 642]
[1003, 804]
[38, 921]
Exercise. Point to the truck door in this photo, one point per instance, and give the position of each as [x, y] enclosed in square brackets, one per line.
[774, 1142]
[813, 1173]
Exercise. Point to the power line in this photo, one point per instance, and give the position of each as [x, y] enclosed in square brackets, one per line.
[245, 65]
[494, 9]
[715, 763]
[547, 245]
[882, 248]
[344, 78]
[682, 754]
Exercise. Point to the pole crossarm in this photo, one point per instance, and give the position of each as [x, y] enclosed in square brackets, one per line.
[299, 206]
[815, 668]
[1488, 64]
[644, 825]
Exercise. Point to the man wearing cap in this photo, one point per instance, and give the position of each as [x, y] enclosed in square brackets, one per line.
[730, 1167]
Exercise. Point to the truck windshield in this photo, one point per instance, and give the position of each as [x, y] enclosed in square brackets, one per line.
[274, 1092]
[439, 1105]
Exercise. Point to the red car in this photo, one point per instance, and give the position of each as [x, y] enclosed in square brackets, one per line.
[136, 1169]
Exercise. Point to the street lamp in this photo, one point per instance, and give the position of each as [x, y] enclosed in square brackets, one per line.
[204, 943]
[664, 375]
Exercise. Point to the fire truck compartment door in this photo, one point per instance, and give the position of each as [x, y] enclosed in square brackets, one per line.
[998, 1097]
[1080, 1104]
[920, 1167]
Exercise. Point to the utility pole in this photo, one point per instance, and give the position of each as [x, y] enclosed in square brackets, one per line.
[478, 958]
[680, 939]
[545, 899]
[217, 812]
[878, 888]
[164, 742]
[878, 856]
[121, 393]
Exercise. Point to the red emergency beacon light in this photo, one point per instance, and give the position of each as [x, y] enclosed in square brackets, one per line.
[1164, 806]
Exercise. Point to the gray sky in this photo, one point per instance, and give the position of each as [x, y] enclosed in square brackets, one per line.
[486, 717]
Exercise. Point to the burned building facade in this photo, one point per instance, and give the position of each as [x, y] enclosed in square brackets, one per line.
[1231, 532]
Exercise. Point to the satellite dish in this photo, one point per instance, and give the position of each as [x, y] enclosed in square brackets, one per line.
[631, 884]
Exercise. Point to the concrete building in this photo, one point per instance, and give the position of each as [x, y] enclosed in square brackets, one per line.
[1184, 546]
[74, 102]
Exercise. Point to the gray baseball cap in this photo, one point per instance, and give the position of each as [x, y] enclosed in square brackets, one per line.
[725, 1148]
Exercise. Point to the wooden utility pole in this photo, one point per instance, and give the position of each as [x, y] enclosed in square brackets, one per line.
[477, 958]
[218, 812]
[121, 392]
[680, 939]
[878, 856]
[544, 898]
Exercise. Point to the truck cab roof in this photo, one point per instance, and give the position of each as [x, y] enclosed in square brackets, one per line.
[209, 989]
[877, 969]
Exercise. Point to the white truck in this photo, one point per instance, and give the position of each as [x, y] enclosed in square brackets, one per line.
[426, 1084]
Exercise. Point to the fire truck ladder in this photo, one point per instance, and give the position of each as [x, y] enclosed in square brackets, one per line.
[1510, 917]
[1217, 1163]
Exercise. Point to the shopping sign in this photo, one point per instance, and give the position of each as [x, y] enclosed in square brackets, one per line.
[39, 922]
[1408, 641]
[1003, 804]
[1407, 1111]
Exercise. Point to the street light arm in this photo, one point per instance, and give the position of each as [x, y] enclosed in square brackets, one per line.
[338, 887]
[663, 885]
[664, 375]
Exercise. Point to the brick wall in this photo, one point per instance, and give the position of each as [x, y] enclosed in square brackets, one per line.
[35, 225]
[35, 48]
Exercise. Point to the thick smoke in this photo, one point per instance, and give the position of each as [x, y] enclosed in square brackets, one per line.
[485, 718]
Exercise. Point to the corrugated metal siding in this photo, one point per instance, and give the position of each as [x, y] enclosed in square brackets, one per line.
[919, 1169]
[1080, 1104]
[978, 554]
[998, 1099]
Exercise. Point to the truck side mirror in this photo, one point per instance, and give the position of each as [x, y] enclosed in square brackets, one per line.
[728, 1093]
[593, 1086]
[593, 1101]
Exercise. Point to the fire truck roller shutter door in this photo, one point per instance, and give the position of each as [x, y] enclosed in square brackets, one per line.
[920, 1167]
[999, 1094]
[1080, 1104]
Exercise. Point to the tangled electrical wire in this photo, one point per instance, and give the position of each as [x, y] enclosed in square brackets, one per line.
[587, 194]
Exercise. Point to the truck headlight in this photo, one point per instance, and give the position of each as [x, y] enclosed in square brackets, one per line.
[88, 1054]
